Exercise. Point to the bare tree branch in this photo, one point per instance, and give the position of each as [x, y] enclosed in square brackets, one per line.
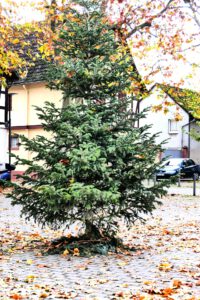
[194, 9]
[189, 48]
[148, 23]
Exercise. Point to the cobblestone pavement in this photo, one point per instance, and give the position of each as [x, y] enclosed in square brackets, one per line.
[183, 191]
[166, 257]
[185, 188]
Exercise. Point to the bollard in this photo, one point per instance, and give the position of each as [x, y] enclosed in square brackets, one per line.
[194, 184]
[179, 179]
[154, 179]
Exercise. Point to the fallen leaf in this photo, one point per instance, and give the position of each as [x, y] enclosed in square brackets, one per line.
[166, 292]
[29, 261]
[76, 252]
[103, 280]
[119, 294]
[165, 266]
[166, 232]
[44, 295]
[198, 283]
[122, 263]
[125, 285]
[30, 278]
[176, 283]
[65, 253]
[147, 282]
[16, 296]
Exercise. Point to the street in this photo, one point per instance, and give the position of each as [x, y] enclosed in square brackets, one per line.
[165, 263]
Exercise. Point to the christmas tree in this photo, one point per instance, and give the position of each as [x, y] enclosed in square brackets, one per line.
[94, 167]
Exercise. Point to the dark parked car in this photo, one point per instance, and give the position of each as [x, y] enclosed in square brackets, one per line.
[173, 166]
[6, 173]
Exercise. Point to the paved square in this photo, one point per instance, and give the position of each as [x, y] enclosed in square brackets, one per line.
[164, 265]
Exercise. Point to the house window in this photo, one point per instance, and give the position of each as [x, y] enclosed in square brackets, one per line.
[173, 126]
[14, 142]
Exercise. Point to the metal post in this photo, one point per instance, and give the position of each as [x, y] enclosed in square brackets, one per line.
[9, 134]
[8, 121]
[179, 178]
[194, 184]
[154, 179]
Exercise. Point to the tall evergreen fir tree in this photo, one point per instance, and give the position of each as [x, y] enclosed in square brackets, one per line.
[94, 167]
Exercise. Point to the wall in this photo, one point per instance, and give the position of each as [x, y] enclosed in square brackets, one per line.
[28, 96]
[160, 121]
[29, 133]
[3, 145]
[194, 145]
[24, 117]
[3, 133]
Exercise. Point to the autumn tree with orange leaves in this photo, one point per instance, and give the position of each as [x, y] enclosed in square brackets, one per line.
[13, 44]
[147, 27]
[157, 33]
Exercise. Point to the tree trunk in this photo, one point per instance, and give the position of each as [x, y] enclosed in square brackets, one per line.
[91, 231]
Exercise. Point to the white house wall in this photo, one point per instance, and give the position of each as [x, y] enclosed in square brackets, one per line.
[3, 134]
[26, 98]
[195, 146]
[160, 121]
[3, 145]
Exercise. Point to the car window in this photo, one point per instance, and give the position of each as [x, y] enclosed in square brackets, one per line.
[173, 162]
[184, 163]
[190, 163]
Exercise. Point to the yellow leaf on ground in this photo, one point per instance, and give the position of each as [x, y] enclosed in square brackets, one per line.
[76, 252]
[148, 282]
[30, 278]
[66, 252]
[29, 261]
[122, 263]
[165, 266]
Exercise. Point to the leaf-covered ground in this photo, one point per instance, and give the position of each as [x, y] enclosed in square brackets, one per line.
[164, 265]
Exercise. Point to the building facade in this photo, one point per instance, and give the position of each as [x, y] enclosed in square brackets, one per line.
[24, 119]
[4, 134]
[173, 121]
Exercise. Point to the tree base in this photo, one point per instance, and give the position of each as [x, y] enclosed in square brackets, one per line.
[82, 246]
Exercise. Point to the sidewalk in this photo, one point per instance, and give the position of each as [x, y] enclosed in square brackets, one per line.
[166, 250]
[182, 191]
[186, 188]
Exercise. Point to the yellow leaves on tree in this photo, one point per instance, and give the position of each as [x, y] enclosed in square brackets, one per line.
[12, 41]
[178, 117]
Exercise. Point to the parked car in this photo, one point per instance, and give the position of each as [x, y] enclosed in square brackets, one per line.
[5, 175]
[5, 171]
[186, 167]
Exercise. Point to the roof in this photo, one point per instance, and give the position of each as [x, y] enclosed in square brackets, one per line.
[37, 70]
[187, 99]
[36, 73]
